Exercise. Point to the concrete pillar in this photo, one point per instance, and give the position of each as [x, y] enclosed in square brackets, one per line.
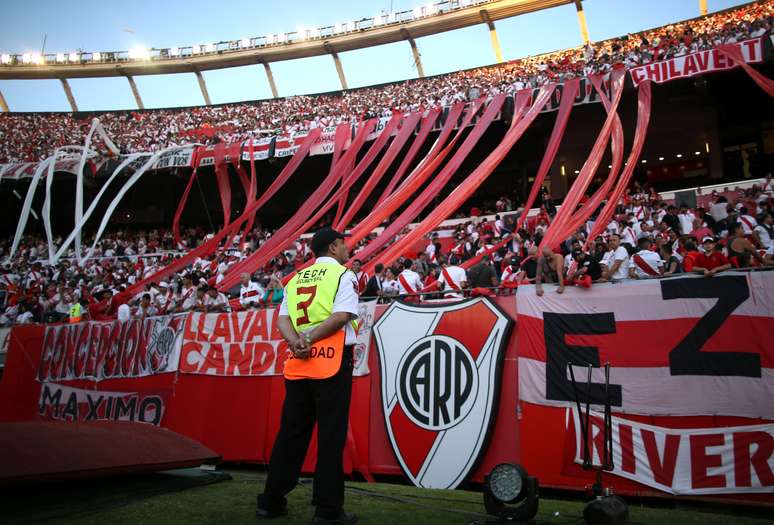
[582, 22]
[203, 87]
[135, 92]
[3, 103]
[337, 63]
[69, 94]
[703, 7]
[270, 77]
[493, 36]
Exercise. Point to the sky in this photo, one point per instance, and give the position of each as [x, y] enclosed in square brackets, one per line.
[107, 25]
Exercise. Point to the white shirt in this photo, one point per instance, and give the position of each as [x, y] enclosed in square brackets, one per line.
[763, 235]
[414, 281]
[457, 276]
[719, 210]
[650, 258]
[345, 301]
[25, 317]
[620, 254]
[748, 224]
[218, 300]
[250, 294]
[686, 222]
[124, 312]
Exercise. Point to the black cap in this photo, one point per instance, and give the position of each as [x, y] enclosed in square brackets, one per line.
[323, 238]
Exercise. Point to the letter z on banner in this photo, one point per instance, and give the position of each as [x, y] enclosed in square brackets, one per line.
[440, 373]
[683, 346]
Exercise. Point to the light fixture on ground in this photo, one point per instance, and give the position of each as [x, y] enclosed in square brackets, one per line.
[511, 494]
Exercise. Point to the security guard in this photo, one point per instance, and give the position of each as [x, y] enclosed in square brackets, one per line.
[316, 319]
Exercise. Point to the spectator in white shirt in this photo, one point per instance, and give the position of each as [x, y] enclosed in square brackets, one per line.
[645, 263]
[250, 293]
[616, 260]
[453, 278]
[215, 301]
[748, 222]
[764, 232]
[409, 281]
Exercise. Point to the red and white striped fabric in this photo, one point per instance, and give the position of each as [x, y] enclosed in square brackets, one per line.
[680, 346]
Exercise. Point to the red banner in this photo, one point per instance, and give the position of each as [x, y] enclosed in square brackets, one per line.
[697, 63]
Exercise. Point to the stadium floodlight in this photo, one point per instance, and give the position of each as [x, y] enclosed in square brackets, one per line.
[511, 494]
[137, 53]
[26, 58]
[60, 57]
[679, 155]
[431, 9]
[378, 20]
[417, 12]
[661, 158]
[464, 3]
[245, 42]
[577, 171]
[301, 33]
[644, 161]
[210, 48]
[314, 33]
[174, 51]
[73, 57]
[6, 58]
[697, 152]
[96, 56]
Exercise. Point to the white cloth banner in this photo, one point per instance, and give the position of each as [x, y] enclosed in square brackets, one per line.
[697, 63]
[724, 460]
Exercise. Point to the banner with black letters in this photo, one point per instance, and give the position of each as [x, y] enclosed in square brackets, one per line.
[682, 346]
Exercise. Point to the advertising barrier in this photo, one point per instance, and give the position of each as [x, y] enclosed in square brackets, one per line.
[453, 389]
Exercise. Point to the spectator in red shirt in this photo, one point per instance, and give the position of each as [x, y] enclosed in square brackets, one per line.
[711, 261]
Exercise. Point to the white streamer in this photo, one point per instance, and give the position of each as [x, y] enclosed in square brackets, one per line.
[79, 226]
[125, 188]
[27, 206]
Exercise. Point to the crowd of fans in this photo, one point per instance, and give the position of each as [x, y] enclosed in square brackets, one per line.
[31, 137]
[647, 238]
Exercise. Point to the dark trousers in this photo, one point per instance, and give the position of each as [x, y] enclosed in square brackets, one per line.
[326, 402]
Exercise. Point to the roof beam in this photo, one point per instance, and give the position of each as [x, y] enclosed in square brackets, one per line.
[270, 77]
[337, 63]
[69, 94]
[203, 87]
[135, 92]
[492, 35]
[3, 103]
[584, 29]
[415, 53]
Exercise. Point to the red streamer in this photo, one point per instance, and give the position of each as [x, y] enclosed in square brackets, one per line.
[224, 186]
[295, 225]
[469, 185]
[417, 177]
[569, 92]
[181, 207]
[210, 246]
[735, 53]
[437, 184]
[643, 120]
[407, 128]
[589, 167]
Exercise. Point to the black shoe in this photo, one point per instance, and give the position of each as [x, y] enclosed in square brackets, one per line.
[264, 514]
[343, 517]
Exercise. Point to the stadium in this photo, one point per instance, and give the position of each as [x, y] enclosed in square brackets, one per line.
[561, 300]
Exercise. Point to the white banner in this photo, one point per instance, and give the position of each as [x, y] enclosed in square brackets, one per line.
[696, 63]
[249, 343]
[684, 461]
[181, 158]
